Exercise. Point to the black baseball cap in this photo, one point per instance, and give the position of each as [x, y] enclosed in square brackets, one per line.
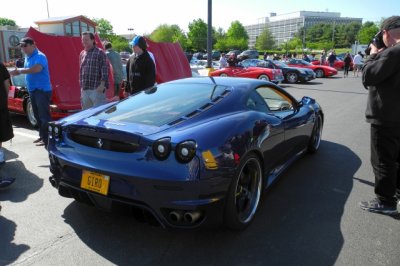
[391, 23]
[27, 40]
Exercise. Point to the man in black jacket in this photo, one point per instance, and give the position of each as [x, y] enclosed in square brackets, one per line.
[381, 76]
[140, 68]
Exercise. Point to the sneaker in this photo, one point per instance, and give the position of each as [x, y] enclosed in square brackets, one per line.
[375, 206]
[6, 181]
[40, 143]
[37, 140]
[2, 159]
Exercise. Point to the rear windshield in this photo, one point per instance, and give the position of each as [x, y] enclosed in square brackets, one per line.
[163, 104]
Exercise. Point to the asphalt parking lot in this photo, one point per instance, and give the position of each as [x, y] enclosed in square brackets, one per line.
[309, 217]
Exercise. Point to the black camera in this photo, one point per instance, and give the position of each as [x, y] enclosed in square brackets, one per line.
[377, 41]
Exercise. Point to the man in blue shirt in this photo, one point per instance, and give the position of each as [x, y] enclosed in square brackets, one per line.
[36, 69]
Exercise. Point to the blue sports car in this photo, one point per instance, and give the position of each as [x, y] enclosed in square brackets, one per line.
[189, 152]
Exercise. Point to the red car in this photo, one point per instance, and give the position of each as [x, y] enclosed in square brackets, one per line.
[321, 71]
[339, 64]
[19, 101]
[273, 75]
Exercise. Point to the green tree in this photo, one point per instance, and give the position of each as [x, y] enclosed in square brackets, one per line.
[7, 22]
[197, 35]
[320, 35]
[220, 40]
[219, 34]
[104, 27]
[236, 36]
[265, 41]
[237, 31]
[367, 32]
[119, 43]
[169, 33]
[293, 44]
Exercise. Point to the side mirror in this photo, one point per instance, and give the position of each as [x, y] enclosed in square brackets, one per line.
[307, 100]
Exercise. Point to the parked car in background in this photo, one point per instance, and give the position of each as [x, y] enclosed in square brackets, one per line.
[198, 55]
[190, 152]
[291, 74]
[215, 55]
[235, 52]
[124, 56]
[338, 64]
[321, 71]
[273, 75]
[248, 54]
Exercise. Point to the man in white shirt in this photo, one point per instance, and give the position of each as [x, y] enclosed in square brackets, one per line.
[222, 61]
[357, 63]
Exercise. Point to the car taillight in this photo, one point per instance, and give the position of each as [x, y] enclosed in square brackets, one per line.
[185, 151]
[162, 148]
[55, 131]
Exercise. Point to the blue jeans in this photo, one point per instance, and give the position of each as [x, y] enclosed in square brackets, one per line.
[41, 109]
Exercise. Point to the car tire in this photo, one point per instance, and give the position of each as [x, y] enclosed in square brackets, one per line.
[264, 77]
[319, 73]
[223, 75]
[292, 77]
[244, 194]
[316, 135]
[29, 113]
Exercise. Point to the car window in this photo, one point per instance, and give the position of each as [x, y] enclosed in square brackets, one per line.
[256, 102]
[275, 99]
[164, 104]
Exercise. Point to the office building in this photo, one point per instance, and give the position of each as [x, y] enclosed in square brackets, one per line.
[284, 27]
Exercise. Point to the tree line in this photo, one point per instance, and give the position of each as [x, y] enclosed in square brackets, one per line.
[319, 36]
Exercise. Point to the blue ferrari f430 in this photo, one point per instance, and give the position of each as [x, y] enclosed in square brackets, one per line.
[190, 152]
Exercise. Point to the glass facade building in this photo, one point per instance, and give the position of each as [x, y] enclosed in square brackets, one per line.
[284, 27]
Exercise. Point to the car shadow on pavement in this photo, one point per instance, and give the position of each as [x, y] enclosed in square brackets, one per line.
[298, 223]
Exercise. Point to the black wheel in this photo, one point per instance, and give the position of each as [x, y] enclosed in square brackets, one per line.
[223, 75]
[316, 135]
[263, 77]
[319, 73]
[244, 194]
[292, 77]
[29, 113]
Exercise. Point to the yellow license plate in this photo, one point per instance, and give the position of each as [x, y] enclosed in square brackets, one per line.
[95, 182]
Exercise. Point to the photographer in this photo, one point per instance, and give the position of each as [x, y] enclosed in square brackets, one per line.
[381, 76]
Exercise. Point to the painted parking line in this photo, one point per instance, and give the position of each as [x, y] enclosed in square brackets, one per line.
[32, 136]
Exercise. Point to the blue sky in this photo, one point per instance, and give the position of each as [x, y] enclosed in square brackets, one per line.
[145, 16]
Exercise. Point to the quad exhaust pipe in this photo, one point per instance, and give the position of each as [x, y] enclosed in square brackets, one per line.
[186, 217]
[191, 217]
[53, 181]
[176, 216]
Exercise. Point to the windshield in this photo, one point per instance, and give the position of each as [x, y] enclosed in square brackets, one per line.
[305, 63]
[18, 81]
[280, 64]
[163, 104]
